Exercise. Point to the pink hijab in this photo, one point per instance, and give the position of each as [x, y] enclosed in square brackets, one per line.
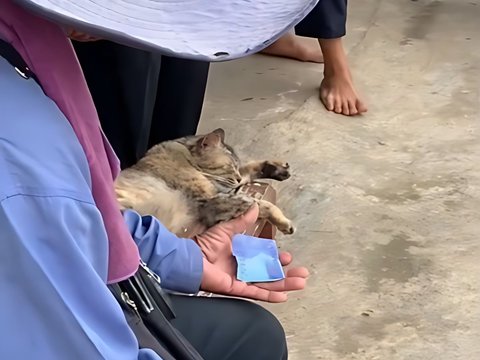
[50, 55]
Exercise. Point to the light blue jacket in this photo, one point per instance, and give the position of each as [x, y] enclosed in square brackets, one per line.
[54, 303]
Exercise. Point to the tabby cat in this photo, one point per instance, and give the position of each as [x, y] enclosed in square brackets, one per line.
[194, 180]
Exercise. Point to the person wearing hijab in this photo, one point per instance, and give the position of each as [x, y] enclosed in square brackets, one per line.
[63, 238]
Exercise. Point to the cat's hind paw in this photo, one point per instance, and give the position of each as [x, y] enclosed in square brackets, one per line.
[287, 228]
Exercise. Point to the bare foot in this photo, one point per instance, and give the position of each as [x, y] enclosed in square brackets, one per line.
[291, 46]
[338, 94]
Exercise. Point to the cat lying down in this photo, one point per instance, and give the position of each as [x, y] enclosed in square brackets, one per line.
[193, 181]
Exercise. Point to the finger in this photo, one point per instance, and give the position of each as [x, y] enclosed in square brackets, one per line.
[219, 282]
[352, 107]
[298, 272]
[287, 284]
[285, 258]
[252, 214]
[222, 283]
[345, 109]
[257, 293]
[239, 224]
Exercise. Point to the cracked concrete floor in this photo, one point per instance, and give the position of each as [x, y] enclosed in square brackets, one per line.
[386, 205]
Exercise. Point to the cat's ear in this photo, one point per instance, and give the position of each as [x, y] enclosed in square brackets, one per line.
[214, 139]
[220, 132]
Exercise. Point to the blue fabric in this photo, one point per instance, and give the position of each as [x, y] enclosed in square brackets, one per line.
[179, 262]
[54, 303]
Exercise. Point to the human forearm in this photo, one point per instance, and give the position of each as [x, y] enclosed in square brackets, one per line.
[177, 261]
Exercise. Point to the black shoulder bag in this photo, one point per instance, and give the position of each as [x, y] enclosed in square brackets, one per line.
[144, 300]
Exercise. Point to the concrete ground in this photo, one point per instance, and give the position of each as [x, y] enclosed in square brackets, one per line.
[386, 205]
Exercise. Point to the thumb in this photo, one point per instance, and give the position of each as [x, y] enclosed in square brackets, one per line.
[241, 223]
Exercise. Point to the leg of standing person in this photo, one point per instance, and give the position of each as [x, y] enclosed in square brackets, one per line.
[156, 99]
[179, 101]
[212, 325]
[123, 83]
[326, 22]
[294, 47]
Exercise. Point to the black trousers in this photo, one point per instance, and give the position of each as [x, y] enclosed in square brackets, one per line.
[219, 329]
[229, 329]
[327, 20]
[142, 98]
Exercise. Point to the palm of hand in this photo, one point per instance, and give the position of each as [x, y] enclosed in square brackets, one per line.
[219, 265]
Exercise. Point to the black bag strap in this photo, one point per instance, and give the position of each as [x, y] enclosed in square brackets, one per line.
[156, 311]
[8, 52]
[160, 323]
[144, 336]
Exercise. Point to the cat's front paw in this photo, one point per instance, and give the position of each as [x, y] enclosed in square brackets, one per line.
[287, 228]
[276, 170]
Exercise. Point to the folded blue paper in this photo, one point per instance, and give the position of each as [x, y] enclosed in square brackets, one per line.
[257, 259]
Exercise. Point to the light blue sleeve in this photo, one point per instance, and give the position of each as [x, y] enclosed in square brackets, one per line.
[53, 265]
[178, 261]
[54, 302]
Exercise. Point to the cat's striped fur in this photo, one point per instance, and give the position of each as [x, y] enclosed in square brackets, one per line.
[193, 181]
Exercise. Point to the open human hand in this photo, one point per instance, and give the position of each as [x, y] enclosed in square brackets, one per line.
[220, 267]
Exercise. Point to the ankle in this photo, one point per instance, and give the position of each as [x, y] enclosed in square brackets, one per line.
[338, 70]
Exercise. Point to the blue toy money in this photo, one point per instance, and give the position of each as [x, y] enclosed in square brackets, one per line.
[257, 259]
